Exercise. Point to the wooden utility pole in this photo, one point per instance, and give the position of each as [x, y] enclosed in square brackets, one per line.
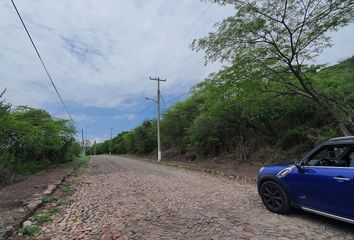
[158, 116]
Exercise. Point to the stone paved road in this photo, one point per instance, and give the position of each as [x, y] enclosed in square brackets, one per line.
[121, 198]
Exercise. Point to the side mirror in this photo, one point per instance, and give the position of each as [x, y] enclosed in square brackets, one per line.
[300, 167]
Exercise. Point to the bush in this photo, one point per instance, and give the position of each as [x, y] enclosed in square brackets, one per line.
[65, 202]
[53, 210]
[30, 230]
[40, 218]
[49, 199]
[31, 140]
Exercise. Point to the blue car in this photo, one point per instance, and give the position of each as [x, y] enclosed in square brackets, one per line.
[322, 182]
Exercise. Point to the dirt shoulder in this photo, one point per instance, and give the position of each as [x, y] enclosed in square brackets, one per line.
[18, 200]
[216, 166]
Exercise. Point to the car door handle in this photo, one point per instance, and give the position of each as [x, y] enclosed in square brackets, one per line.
[341, 179]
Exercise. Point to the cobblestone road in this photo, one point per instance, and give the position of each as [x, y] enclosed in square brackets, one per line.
[120, 198]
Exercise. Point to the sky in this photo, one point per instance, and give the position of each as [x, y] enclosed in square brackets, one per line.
[101, 54]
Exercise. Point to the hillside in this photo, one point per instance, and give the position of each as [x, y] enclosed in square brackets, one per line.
[225, 116]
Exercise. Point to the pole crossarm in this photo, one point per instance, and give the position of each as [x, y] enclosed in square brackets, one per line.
[158, 79]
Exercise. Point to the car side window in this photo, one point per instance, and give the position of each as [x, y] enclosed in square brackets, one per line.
[333, 156]
[351, 159]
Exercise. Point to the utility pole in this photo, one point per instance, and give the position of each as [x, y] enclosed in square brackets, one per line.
[83, 142]
[86, 140]
[158, 116]
[94, 148]
[110, 144]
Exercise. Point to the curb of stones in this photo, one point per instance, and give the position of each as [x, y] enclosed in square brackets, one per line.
[32, 207]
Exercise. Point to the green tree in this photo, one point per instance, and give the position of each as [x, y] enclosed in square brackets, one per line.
[176, 121]
[270, 40]
[145, 137]
[31, 139]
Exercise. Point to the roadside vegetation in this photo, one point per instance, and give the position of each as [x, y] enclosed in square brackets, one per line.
[241, 118]
[269, 99]
[54, 207]
[31, 140]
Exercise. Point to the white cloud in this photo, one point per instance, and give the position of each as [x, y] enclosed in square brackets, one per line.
[100, 53]
[125, 117]
[80, 117]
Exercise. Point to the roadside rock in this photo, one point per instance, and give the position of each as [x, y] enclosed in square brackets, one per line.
[6, 232]
[27, 223]
[50, 189]
[34, 204]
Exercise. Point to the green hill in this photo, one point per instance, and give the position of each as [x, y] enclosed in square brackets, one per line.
[227, 116]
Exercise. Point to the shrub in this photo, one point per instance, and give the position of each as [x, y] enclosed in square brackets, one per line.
[65, 202]
[65, 187]
[42, 218]
[53, 210]
[49, 199]
[30, 230]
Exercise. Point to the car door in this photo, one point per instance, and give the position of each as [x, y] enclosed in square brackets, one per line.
[326, 182]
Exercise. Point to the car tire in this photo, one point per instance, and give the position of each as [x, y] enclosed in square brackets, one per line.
[274, 197]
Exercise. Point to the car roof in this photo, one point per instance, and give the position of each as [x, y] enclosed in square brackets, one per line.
[341, 140]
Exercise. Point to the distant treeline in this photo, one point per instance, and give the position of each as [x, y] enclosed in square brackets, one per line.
[31, 139]
[226, 116]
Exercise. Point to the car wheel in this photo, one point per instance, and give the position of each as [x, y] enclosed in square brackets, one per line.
[274, 197]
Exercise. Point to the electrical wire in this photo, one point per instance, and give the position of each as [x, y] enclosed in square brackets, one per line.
[40, 58]
[187, 33]
[195, 68]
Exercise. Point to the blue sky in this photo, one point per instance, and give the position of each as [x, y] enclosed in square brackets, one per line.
[101, 54]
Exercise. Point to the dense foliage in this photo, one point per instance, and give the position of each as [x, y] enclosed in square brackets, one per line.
[30, 140]
[224, 116]
[141, 140]
[269, 96]
[273, 40]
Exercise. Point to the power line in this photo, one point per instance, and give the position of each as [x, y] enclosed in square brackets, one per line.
[40, 58]
[187, 33]
[163, 100]
[195, 68]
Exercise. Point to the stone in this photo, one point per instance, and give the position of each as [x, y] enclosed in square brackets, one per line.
[27, 223]
[247, 234]
[6, 232]
[34, 204]
[121, 227]
[21, 210]
[50, 189]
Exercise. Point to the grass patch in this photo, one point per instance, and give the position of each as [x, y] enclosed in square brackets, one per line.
[30, 230]
[65, 202]
[83, 160]
[43, 218]
[71, 172]
[49, 199]
[65, 187]
[53, 210]
[78, 162]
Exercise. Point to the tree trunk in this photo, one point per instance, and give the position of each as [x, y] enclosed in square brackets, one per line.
[319, 100]
[339, 123]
